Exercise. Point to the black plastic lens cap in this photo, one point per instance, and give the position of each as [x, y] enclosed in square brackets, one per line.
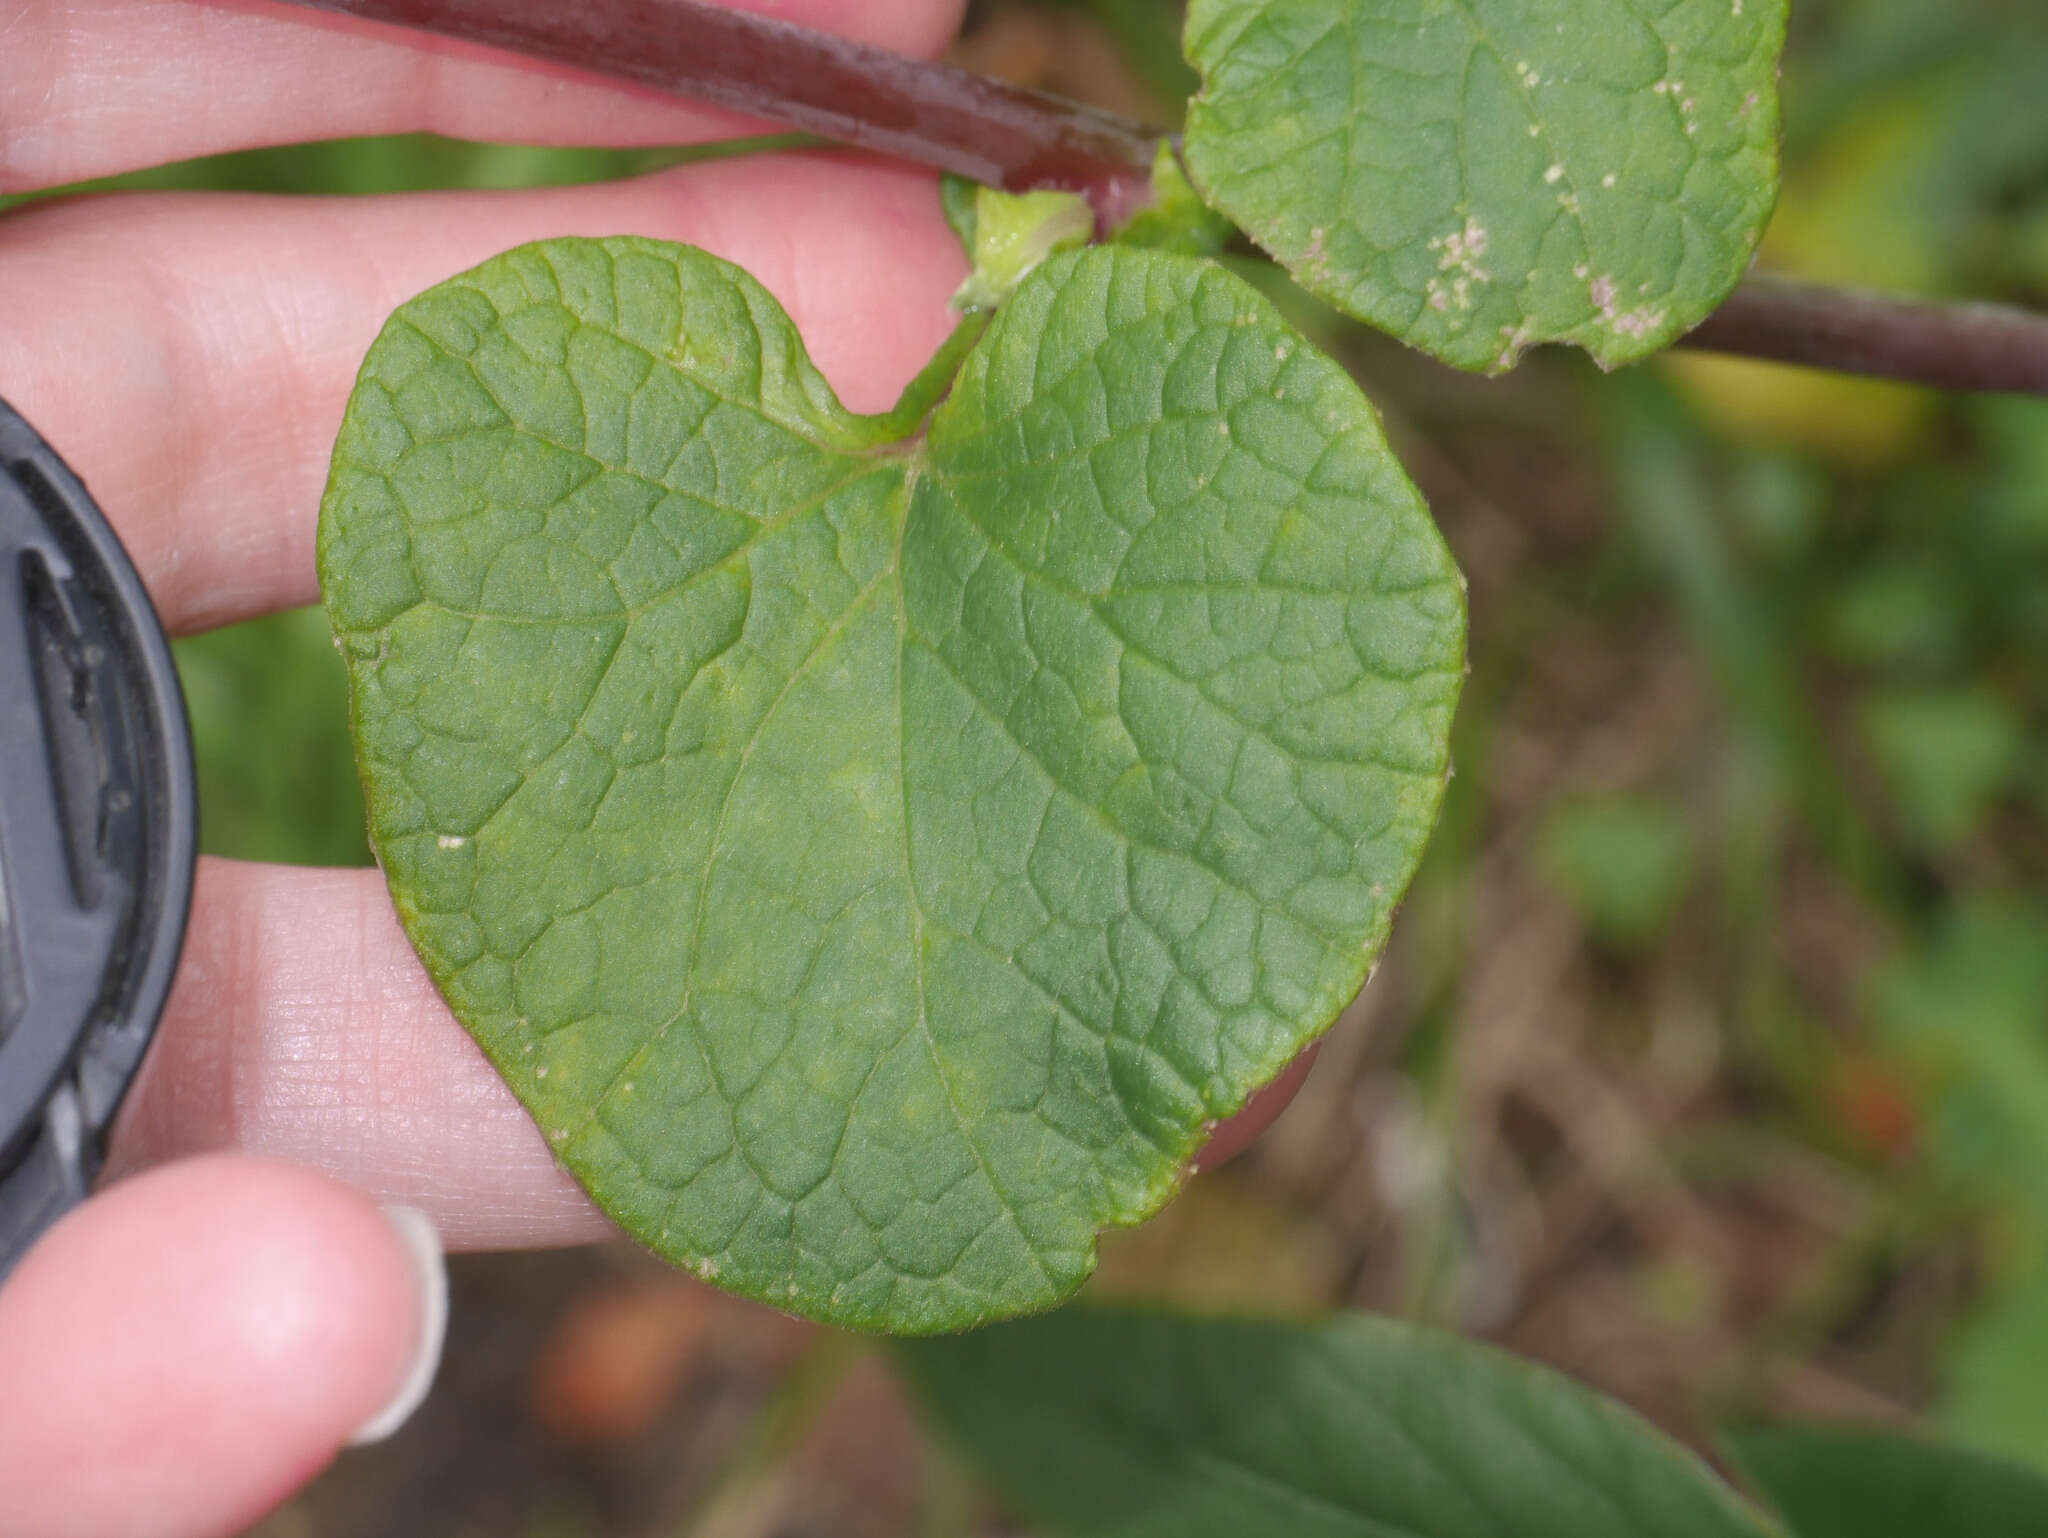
[98, 832]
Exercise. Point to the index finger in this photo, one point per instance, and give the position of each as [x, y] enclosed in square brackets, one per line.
[190, 355]
[94, 87]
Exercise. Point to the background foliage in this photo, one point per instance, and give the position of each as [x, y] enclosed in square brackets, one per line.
[1710, 1062]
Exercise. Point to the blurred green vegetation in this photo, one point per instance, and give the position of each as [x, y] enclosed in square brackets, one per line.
[1885, 649]
[1759, 709]
[1844, 864]
[269, 707]
[410, 163]
[1623, 861]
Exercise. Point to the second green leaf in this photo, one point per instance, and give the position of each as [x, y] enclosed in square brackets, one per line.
[1477, 176]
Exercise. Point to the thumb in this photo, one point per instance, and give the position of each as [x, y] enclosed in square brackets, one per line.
[189, 1347]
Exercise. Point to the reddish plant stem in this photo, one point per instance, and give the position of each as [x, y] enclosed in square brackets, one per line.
[1014, 138]
[852, 92]
[1948, 345]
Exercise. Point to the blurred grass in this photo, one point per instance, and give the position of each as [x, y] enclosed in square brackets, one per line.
[362, 167]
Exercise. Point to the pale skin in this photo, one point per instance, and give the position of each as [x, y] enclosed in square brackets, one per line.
[182, 1352]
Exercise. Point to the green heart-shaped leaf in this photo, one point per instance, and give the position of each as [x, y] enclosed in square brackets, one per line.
[875, 861]
[1475, 176]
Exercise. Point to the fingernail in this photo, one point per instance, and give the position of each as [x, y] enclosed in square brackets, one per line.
[422, 1244]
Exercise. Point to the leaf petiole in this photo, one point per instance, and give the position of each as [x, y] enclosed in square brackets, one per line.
[902, 423]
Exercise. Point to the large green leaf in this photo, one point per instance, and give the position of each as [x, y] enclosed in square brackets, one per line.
[875, 860]
[1867, 1484]
[1101, 1424]
[1478, 175]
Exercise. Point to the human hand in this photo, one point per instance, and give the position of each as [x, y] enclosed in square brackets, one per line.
[189, 1346]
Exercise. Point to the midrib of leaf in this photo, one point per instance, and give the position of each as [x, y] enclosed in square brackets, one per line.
[890, 436]
[1396, 1428]
[1222, 1460]
[1196, 1455]
[1353, 1425]
[917, 913]
[797, 674]
[1284, 1495]
[892, 575]
[1179, 1454]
